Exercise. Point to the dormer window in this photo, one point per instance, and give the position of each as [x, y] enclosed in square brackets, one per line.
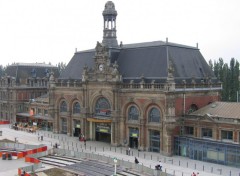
[46, 72]
[34, 73]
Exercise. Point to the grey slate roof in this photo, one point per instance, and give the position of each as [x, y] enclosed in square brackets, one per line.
[75, 67]
[148, 59]
[26, 70]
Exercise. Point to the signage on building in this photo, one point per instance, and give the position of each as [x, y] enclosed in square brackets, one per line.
[103, 128]
[134, 135]
[133, 132]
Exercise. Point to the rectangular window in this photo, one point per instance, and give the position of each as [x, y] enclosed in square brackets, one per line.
[39, 111]
[189, 130]
[207, 132]
[45, 112]
[227, 135]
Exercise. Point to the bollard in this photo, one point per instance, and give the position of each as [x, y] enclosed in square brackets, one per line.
[95, 149]
[90, 148]
[195, 166]
[115, 149]
[151, 157]
[211, 169]
[103, 149]
[187, 164]
[203, 168]
[121, 149]
[179, 162]
[138, 153]
[230, 173]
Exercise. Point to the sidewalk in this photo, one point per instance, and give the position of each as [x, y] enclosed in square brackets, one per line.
[179, 166]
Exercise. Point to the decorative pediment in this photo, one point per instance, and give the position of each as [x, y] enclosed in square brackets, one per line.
[100, 49]
[207, 117]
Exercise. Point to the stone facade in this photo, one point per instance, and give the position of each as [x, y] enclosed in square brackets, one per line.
[121, 130]
[130, 95]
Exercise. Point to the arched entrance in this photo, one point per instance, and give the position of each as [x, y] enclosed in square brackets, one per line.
[100, 123]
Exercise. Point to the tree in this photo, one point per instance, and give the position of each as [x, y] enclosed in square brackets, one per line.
[229, 76]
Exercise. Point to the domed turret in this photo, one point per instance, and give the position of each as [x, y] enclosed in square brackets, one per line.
[109, 31]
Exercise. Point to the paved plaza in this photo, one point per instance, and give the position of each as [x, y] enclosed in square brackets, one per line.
[176, 165]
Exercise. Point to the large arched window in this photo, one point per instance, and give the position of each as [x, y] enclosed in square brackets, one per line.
[102, 107]
[133, 113]
[63, 107]
[154, 115]
[76, 108]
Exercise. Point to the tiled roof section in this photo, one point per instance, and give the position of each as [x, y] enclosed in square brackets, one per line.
[155, 43]
[75, 67]
[220, 109]
[33, 65]
[26, 70]
[42, 99]
[149, 59]
[146, 61]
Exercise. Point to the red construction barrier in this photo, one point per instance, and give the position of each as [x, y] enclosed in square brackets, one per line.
[20, 172]
[31, 159]
[20, 155]
[44, 148]
[2, 122]
[34, 150]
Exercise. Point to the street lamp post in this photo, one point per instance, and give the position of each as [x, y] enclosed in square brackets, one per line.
[115, 166]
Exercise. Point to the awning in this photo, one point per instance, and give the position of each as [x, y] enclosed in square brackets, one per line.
[99, 120]
[37, 116]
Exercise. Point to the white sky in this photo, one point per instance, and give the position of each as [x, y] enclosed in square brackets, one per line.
[50, 30]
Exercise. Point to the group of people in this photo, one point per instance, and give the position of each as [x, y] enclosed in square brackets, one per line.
[195, 174]
[40, 138]
[157, 167]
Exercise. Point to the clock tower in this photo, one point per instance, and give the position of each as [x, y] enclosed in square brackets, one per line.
[109, 26]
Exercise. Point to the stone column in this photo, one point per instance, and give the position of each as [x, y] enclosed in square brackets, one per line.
[168, 145]
[122, 132]
[142, 142]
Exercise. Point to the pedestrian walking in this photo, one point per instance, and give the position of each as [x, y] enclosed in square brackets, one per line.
[129, 149]
[38, 137]
[136, 160]
[85, 143]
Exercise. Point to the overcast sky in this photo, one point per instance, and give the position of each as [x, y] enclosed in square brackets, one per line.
[50, 30]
